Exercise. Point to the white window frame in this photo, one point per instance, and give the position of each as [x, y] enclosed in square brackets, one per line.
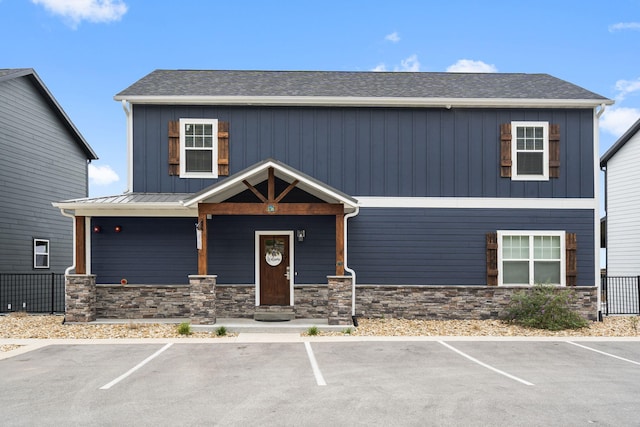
[515, 175]
[531, 235]
[47, 254]
[183, 149]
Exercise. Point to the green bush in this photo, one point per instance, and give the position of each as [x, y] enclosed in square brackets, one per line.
[221, 331]
[544, 307]
[184, 328]
[313, 330]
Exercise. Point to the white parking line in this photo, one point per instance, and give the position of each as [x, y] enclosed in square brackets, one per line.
[135, 368]
[314, 365]
[602, 352]
[520, 380]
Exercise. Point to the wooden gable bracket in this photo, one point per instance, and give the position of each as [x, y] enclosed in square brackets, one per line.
[271, 205]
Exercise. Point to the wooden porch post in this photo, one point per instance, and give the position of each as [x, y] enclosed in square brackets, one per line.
[340, 244]
[81, 253]
[202, 252]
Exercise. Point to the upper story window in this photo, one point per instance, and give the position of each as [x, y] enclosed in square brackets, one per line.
[40, 253]
[198, 148]
[530, 150]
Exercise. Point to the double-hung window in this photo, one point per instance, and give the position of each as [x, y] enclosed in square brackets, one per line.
[198, 148]
[531, 257]
[530, 150]
[40, 253]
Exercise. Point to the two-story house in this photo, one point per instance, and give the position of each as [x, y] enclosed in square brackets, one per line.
[332, 194]
[44, 158]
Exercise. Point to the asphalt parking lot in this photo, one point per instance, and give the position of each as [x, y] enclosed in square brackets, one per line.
[325, 382]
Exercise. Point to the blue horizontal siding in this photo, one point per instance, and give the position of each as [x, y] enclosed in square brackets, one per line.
[163, 250]
[447, 246]
[419, 152]
[385, 246]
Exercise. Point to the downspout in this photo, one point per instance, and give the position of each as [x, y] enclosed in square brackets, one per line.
[72, 267]
[597, 230]
[349, 270]
[128, 112]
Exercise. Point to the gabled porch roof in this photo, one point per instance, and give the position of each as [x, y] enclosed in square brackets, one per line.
[258, 173]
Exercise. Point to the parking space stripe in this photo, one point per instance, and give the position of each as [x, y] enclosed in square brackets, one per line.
[314, 365]
[604, 353]
[473, 359]
[135, 368]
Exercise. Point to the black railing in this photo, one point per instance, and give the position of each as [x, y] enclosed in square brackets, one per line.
[32, 292]
[620, 295]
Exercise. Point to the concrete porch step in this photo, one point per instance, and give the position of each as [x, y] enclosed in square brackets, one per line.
[274, 313]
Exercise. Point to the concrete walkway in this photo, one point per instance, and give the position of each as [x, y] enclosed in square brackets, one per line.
[237, 325]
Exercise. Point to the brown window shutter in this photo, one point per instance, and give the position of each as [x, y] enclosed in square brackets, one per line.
[554, 151]
[223, 148]
[492, 259]
[174, 148]
[505, 150]
[571, 247]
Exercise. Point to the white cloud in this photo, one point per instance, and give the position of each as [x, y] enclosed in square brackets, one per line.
[102, 175]
[625, 87]
[77, 11]
[409, 64]
[617, 121]
[393, 37]
[620, 26]
[471, 66]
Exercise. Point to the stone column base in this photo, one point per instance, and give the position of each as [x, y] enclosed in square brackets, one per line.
[203, 299]
[80, 298]
[339, 296]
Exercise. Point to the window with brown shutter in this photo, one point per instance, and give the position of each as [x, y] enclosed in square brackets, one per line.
[174, 148]
[571, 248]
[199, 149]
[531, 257]
[492, 259]
[505, 150]
[529, 151]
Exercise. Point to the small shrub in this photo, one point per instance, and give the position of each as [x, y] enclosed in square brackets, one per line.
[544, 307]
[184, 328]
[221, 331]
[313, 330]
[347, 331]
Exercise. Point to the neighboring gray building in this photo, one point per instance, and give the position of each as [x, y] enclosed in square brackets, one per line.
[44, 159]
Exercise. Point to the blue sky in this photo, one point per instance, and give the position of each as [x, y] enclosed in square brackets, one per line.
[86, 51]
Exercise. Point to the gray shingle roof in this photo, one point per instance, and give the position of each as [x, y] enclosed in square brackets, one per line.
[211, 83]
[630, 133]
[7, 74]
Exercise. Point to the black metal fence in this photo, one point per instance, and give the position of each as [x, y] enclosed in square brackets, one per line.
[620, 295]
[32, 292]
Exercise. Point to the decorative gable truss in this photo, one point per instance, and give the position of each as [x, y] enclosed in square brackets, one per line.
[174, 148]
[506, 150]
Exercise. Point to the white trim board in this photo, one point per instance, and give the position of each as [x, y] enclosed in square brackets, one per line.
[475, 203]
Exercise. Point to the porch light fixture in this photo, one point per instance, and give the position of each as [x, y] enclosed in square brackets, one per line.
[300, 234]
[97, 229]
[118, 228]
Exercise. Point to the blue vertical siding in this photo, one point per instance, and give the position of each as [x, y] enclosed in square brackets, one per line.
[374, 151]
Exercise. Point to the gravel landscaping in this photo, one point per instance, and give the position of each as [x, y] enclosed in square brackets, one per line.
[20, 325]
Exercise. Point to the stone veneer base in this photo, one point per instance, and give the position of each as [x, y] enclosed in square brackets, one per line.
[311, 301]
